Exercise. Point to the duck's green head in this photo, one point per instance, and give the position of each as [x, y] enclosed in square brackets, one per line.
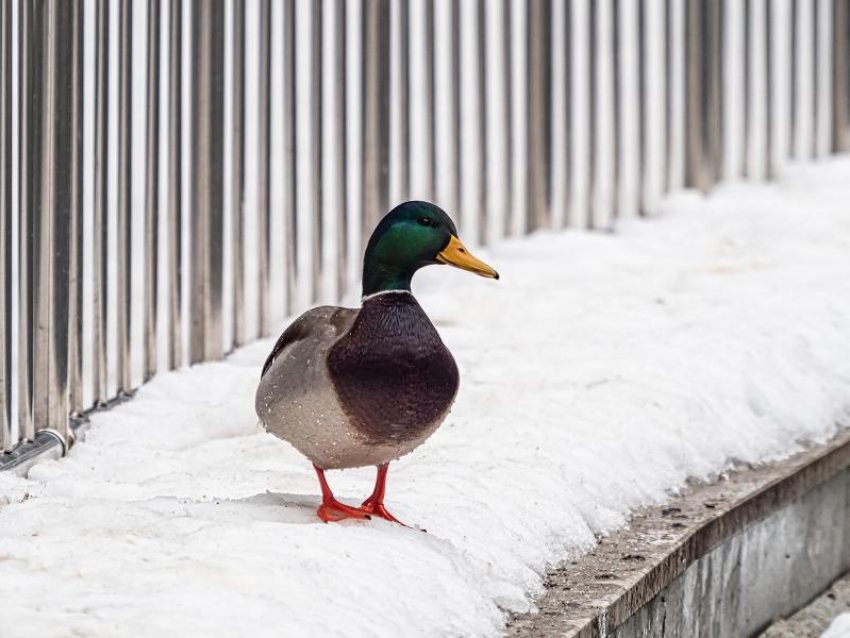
[410, 236]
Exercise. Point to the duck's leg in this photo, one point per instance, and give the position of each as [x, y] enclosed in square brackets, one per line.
[331, 509]
[375, 503]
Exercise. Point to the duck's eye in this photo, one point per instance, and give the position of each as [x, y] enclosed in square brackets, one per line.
[424, 221]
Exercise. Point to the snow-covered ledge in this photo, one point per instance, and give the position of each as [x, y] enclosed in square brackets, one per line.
[598, 376]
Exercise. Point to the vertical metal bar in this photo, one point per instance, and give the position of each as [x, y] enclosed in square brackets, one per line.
[669, 113]
[29, 110]
[815, 77]
[404, 99]
[175, 185]
[592, 119]
[152, 193]
[482, 123]
[290, 183]
[53, 231]
[568, 113]
[642, 108]
[430, 104]
[616, 107]
[747, 79]
[341, 148]
[75, 293]
[508, 96]
[125, 185]
[101, 194]
[695, 108]
[207, 179]
[6, 442]
[317, 231]
[792, 123]
[840, 76]
[237, 174]
[538, 118]
[713, 20]
[376, 112]
[457, 167]
[264, 166]
[768, 80]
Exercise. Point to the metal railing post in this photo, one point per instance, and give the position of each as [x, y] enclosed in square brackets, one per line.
[264, 156]
[207, 179]
[237, 171]
[538, 117]
[290, 198]
[100, 221]
[52, 263]
[404, 100]
[30, 105]
[592, 117]
[317, 168]
[75, 268]
[456, 119]
[175, 185]
[481, 59]
[841, 76]
[508, 96]
[430, 149]
[125, 186]
[6, 441]
[341, 147]
[376, 114]
[152, 193]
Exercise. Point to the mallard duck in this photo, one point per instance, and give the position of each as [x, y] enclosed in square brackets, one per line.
[354, 387]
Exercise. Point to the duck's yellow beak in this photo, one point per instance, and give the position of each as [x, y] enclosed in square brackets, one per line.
[456, 254]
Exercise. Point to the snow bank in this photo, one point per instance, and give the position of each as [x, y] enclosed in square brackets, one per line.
[839, 628]
[598, 375]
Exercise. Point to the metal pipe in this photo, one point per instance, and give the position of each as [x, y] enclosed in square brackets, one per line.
[747, 79]
[568, 113]
[6, 441]
[125, 187]
[482, 123]
[713, 20]
[429, 60]
[75, 273]
[51, 221]
[29, 112]
[175, 185]
[264, 167]
[317, 230]
[237, 174]
[696, 174]
[616, 108]
[538, 118]
[404, 100]
[508, 96]
[207, 179]
[100, 220]
[456, 116]
[642, 109]
[341, 147]
[768, 80]
[669, 34]
[290, 147]
[592, 120]
[840, 76]
[152, 194]
[376, 114]
[793, 84]
[815, 68]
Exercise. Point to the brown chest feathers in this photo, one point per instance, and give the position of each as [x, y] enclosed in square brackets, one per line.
[392, 373]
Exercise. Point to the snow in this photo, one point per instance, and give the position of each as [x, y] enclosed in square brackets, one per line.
[839, 628]
[597, 376]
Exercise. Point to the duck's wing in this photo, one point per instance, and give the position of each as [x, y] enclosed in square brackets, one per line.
[331, 321]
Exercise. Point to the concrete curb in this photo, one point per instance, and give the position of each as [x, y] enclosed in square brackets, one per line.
[722, 560]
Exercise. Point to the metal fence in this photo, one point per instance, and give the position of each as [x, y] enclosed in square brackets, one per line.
[177, 177]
